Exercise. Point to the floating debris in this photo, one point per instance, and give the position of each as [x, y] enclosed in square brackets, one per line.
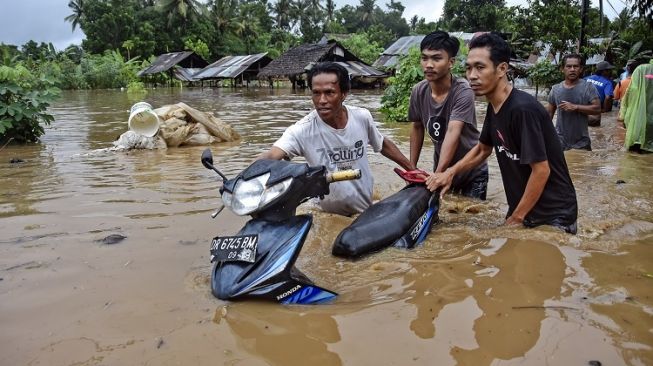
[112, 239]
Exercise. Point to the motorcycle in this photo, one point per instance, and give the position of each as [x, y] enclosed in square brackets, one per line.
[258, 262]
[412, 213]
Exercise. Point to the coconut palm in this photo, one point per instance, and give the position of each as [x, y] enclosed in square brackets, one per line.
[366, 12]
[330, 8]
[77, 6]
[413, 23]
[247, 27]
[183, 9]
[622, 21]
[282, 10]
[644, 8]
[223, 13]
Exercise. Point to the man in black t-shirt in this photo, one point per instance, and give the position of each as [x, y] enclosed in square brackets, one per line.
[535, 177]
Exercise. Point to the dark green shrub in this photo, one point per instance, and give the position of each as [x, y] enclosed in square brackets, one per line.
[24, 100]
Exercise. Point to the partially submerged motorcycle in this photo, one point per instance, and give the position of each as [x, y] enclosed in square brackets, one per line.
[402, 220]
[259, 260]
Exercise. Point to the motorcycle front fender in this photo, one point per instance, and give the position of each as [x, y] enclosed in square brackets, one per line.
[272, 275]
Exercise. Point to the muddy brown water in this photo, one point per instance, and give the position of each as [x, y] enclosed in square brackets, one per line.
[475, 293]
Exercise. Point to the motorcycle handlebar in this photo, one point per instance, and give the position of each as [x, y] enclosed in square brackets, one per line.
[349, 174]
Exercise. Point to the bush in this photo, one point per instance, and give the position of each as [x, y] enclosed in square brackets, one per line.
[136, 87]
[395, 100]
[544, 74]
[24, 100]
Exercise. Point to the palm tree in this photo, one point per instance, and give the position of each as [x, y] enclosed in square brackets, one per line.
[77, 6]
[184, 9]
[223, 13]
[622, 21]
[413, 23]
[330, 8]
[282, 10]
[366, 11]
[247, 28]
[128, 45]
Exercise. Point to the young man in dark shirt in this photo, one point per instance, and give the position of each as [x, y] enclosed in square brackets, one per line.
[535, 177]
[442, 107]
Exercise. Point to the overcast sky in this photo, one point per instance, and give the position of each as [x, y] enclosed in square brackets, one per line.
[43, 20]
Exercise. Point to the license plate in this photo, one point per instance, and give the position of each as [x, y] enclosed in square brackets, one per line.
[240, 248]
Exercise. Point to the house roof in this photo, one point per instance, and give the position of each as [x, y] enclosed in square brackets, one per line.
[390, 56]
[185, 59]
[185, 74]
[230, 67]
[295, 60]
[356, 68]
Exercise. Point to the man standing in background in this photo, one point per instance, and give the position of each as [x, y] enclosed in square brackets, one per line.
[575, 100]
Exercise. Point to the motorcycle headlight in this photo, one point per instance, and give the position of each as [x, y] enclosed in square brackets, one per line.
[250, 195]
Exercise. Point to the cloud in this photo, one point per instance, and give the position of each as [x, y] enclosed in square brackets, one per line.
[37, 20]
[429, 10]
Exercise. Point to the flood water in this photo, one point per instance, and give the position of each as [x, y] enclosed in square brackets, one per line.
[475, 293]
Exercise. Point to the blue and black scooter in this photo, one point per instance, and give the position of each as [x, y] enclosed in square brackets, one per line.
[258, 262]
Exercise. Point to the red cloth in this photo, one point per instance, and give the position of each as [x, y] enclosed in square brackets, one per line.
[412, 176]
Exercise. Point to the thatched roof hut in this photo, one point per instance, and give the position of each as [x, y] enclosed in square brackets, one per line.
[298, 60]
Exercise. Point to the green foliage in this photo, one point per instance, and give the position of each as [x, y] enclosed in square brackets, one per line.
[361, 45]
[136, 87]
[556, 22]
[422, 27]
[544, 74]
[472, 15]
[280, 41]
[199, 47]
[24, 99]
[109, 70]
[395, 100]
[459, 67]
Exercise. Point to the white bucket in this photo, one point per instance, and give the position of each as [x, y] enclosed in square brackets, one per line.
[143, 120]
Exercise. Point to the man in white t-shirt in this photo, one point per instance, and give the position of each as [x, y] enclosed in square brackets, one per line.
[337, 136]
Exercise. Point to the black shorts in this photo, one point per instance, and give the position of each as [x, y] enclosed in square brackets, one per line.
[477, 188]
[557, 223]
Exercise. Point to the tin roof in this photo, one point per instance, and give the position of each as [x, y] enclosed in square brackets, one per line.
[390, 56]
[230, 67]
[356, 68]
[185, 59]
[185, 74]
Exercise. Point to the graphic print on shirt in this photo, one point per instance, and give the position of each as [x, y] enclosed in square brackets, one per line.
[436, 126]
[595, 82]
[504, 148]
[343, 157]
